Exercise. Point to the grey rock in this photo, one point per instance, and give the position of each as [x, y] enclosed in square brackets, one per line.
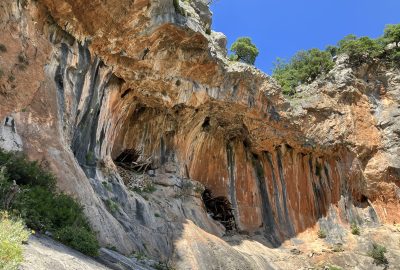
[117, 261]
[151, 173]
[43, 253]
[9, 138]
[202, 9]
[220, 40]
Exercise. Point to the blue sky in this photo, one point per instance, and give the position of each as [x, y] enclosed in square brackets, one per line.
[280, 28]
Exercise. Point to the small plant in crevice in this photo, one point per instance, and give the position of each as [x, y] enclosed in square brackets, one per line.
[11, 78]
[22, 61]
[334, 267]
[322, 233]
[378, 254]
[140, 256]
[355, 229]
[90, 157]
[3, 48]
[178, 8]
[148, 188]
[338, 247]
[112, 206]
[107, 185]
[199, 189]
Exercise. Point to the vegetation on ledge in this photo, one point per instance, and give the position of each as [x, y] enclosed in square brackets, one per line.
[306, 66]
[28, 191]
[12, 234]
[244, 51]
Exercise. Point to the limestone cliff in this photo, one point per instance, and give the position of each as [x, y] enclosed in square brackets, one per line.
[87, 84]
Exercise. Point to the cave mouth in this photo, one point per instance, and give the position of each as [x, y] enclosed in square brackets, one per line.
[132, 159]
[220, 209]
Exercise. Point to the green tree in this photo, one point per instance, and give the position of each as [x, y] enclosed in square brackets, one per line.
[392, 34]
[244, 50]
[304, 67]
[361, 49]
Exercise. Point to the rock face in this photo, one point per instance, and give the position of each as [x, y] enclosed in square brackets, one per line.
[87, 83]
[42, 253]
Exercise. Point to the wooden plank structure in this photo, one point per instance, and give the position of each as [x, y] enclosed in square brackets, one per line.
[132, 159]
[219, 209]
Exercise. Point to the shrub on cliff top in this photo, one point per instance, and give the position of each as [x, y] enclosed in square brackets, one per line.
[392, 34]
[361, 49]
[304, 67]
[244, 50]
[33, 196]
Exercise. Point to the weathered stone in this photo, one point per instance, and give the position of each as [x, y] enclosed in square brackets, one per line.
[119, 262]
[110, 76]
[43, 253]
[9, 138]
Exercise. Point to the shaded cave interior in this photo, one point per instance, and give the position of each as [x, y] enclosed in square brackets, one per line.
[133, 160]
[220, 209]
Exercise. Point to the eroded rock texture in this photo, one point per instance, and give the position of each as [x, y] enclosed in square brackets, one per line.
[86, 81]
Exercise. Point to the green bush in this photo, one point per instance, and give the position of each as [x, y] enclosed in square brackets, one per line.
[12, 235]
[303, 68]
[112, 206]
[392, 34]
[321, 234]
[378, 254]
[78, 238]
[25, 172]
[334, 267]
[338, 248]
[365, 49]
[361, 49]
[244, 50]
[233, 57]
[5, 186]
[47, 211]
[306, 66]
[37, 202]
[355, 229]
[148, 188]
